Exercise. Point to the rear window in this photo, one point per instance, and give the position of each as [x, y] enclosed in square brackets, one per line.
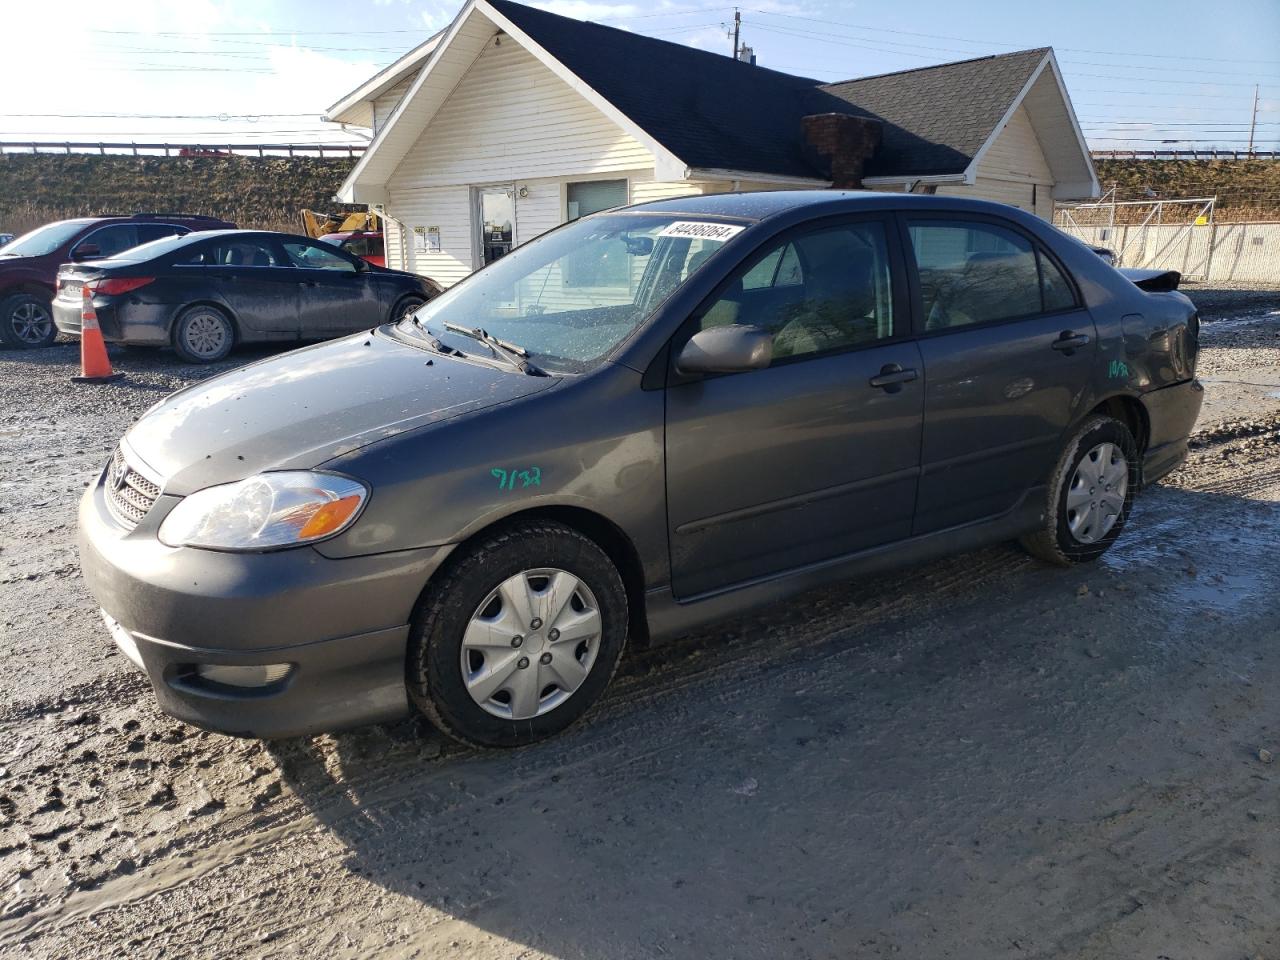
[156, 248]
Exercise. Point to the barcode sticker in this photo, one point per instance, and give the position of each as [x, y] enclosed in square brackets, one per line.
[701, 230]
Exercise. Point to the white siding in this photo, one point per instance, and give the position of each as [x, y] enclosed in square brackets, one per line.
[385, 104]
[511, 118]
[1012, 171]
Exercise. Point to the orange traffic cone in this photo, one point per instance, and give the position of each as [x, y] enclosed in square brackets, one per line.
[94, 365]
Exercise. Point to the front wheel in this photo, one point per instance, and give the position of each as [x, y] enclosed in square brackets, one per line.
[405, 308]
[26, 321]
[1090, 494]
[203, 334]
[519, 637]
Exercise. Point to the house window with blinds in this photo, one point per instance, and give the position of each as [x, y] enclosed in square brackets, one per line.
[610, 272]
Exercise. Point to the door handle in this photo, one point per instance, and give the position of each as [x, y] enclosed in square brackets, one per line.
[1070, 341]
[892, 377]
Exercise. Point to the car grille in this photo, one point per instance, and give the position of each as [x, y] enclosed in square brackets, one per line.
[130, 495]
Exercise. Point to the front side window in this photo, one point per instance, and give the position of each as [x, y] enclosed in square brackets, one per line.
[976, 273]
[313, 256]
[158, 231]
[825, 290]
[108, 242]
[531, 296]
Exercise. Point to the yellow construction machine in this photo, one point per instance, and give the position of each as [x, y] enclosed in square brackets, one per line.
[318, 224]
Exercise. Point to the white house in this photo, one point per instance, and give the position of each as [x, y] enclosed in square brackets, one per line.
[514, 120]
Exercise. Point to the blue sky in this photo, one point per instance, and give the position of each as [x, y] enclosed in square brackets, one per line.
[1142, 74]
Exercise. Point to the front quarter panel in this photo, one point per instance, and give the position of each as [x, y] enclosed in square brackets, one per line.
[594, 442]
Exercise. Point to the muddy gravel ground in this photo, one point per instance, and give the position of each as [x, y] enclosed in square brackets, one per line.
[978, 758]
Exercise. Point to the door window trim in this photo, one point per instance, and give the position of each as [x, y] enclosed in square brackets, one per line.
[1038, 249]
[902, 306]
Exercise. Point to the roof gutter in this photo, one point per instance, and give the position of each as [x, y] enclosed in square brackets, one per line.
[910, 181]
[717, 173]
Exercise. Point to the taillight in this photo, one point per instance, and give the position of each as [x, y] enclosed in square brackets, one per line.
[114, 286]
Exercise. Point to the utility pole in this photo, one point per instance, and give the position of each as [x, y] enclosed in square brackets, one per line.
[737, 24]
[1253, 123]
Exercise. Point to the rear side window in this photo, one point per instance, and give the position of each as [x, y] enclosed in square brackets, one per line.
[158, 231]
[231, 253]
[1058, 294]
[978, 273]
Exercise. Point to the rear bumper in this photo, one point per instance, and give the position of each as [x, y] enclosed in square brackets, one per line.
[1171, 412]
[144, 324]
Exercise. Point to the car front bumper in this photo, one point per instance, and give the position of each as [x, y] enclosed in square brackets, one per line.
[341, 626]
[121, 320]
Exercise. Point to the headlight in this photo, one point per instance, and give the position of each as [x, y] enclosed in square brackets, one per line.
[265, 512]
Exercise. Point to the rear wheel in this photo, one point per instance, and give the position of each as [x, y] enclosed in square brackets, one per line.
[1090, 494]
[519, 637]
[203, 334]
[26, 321]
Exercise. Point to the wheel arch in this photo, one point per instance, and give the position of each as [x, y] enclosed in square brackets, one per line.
[32, 287]
[599, 529]
[1129, 411]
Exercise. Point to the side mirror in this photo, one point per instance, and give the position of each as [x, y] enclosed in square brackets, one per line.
[86, 251]
[727, 349]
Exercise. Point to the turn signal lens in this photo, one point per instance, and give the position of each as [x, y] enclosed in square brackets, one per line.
[114, 286]
[265, 512]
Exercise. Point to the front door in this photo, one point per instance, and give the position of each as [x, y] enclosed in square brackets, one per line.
[495, 220]
[1010, 353]
[334, 294]
[817, 455]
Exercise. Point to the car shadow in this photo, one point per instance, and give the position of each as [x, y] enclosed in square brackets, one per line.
[894, 764]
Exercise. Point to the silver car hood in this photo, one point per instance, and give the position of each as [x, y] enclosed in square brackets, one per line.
[308, 406]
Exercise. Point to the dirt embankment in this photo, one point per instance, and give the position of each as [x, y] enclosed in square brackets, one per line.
[255, 192]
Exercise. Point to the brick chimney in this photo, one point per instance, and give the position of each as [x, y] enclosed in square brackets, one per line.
[845, 142]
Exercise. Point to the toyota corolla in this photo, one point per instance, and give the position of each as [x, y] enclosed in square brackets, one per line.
[642, 421]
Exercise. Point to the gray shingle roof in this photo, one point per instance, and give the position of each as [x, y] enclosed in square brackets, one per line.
[715, 112]
[936, 118]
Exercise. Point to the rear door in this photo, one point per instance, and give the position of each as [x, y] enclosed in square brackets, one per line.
[817, 455]
[334, 293]
[1009, 353]
[250, 274]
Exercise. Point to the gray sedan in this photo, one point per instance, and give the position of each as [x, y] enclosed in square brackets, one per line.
[640, 422]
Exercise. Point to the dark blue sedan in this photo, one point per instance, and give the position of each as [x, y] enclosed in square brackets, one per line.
[204, 293]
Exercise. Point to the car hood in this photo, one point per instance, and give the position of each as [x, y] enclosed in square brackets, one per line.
[302, 408]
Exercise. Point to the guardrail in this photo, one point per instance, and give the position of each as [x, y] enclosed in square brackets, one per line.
[1185, 154]
[107, 148]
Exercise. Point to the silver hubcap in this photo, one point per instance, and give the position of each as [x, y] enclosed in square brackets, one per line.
[31, 322]
[530, 644]
[205, 334]
[1095, 499]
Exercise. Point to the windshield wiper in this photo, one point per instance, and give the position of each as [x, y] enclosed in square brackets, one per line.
[513, 353]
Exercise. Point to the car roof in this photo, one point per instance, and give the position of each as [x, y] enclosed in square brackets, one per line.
[763, 205]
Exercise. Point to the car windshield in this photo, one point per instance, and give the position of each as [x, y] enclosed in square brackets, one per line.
[572, 295]
[43, 240]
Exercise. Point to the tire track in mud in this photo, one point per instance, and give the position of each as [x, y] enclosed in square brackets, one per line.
[237, 808]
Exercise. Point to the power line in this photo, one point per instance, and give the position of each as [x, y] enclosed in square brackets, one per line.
[1005, 43]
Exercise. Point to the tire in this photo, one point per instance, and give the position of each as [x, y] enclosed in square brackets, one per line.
[1074, 531]
[447, 678]
[26, 321]
[405, 306]
[203, 334]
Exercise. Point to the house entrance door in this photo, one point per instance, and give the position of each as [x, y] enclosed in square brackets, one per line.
[495, 221]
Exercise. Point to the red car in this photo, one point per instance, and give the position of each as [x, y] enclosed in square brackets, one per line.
[365, 244]
[29, 264]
